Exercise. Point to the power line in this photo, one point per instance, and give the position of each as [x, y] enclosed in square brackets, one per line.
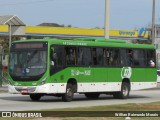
[24, 3]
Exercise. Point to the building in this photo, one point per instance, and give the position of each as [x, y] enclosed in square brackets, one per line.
[12, 28]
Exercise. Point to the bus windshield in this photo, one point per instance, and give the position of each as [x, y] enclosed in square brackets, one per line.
[27, 63]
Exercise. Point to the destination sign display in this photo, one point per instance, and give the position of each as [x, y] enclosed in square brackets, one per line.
[28, 45]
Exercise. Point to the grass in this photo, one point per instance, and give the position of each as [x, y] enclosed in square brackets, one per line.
[155, 106]
[142, 107]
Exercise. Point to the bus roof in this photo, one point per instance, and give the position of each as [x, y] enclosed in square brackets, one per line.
[90, 42]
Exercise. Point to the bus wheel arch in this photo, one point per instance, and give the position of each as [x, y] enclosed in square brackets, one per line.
[73, 81]
[71, 88]
[125, 90]
[127, 81]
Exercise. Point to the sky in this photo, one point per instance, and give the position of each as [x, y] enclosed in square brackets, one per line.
[124, 14]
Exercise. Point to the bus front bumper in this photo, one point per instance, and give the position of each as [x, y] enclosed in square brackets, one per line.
[45, 89]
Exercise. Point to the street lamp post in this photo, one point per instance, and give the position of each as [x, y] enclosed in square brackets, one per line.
[107, 18]
[153, 22]
[10, 35]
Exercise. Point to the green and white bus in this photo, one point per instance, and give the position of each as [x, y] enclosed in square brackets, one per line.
[87, 66]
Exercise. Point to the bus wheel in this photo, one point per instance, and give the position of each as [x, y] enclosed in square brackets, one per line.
[92, 95]
[124, 93]
[68, 96]
[35, 97]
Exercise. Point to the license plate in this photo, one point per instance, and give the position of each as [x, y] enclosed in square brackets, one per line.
[24, 91]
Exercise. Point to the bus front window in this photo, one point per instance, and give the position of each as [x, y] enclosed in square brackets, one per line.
[28, 63]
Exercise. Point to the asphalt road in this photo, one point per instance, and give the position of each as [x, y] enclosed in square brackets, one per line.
[13, 102]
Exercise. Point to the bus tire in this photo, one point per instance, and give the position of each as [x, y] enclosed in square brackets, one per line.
[68, 96]
[35, 97]
[92, 95]
[124, 93]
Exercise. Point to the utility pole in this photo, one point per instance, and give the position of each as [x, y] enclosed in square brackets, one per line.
[107, 19]
[153, 23]
[10, 35]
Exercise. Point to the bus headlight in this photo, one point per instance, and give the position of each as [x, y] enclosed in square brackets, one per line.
[43, 81]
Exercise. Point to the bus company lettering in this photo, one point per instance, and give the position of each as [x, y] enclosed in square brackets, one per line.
[75, 43]
[126, 33]
[126, 72]
[78, 72]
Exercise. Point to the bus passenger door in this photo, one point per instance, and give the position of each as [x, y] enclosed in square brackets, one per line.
[56, 59]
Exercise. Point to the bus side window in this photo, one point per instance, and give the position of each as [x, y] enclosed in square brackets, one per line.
[94, 56]
[56, 55]
[136, 59]
[70, 55]
[151, 58]
[116, 58]
[106, 56]
[84, 56]
[130, 57]
[99, 53]
[51, 54]
[123, 57]
[139, 58]
[80, 56]
[111, 57]
[53, 57]
[97, 56]
[87, 57]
